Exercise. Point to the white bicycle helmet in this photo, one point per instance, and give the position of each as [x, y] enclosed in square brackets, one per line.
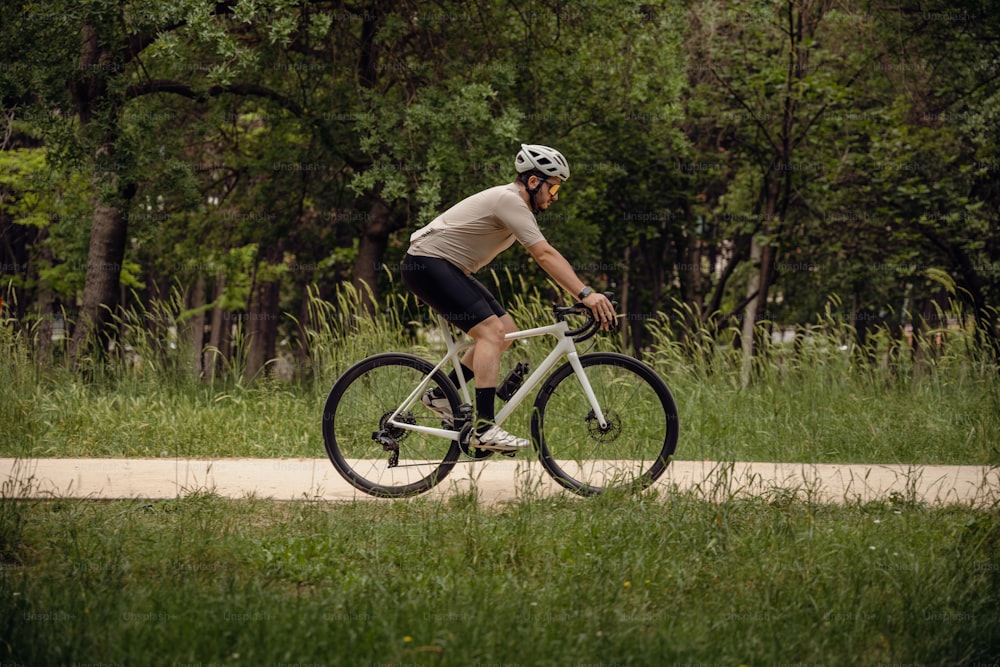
[547, 160]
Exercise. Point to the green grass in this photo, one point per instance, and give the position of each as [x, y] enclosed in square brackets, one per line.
[782, 421]
[813, 404]
[611, 580]
[807, 419]
[697, 577]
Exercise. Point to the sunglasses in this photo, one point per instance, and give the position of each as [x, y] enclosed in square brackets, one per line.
[553, 187]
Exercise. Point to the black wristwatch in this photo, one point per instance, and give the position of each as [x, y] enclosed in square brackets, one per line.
[584, 293]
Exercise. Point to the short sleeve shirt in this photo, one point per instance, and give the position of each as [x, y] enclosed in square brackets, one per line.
[477, 229]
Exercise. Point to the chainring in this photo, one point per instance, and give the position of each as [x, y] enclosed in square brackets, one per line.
[472, 452]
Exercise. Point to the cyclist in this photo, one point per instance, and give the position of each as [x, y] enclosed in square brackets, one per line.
[443, 256]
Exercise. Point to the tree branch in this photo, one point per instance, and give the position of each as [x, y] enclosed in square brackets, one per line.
[136, 42]
[742, 245]
[153, 86]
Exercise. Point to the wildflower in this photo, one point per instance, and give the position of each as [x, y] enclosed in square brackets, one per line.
[628, 584]
[407, 639]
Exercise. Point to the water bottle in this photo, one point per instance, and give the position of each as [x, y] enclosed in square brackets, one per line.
[513, 381]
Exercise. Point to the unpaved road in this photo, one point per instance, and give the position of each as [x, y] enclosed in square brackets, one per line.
[495, 480]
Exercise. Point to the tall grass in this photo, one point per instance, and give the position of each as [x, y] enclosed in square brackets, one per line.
[819, 398]
[822, 397]
[342, 331]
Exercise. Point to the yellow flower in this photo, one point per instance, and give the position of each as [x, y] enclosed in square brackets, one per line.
[627, 584]
[407, 639]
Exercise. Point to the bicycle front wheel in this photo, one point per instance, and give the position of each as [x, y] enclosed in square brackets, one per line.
[400, 462]
[634, 447]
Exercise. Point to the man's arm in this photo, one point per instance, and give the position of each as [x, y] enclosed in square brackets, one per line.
[554, 264]
[560, 270]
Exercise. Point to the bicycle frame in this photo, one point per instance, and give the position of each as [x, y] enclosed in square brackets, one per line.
[565, 347]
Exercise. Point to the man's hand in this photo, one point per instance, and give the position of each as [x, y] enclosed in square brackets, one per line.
[602, 308]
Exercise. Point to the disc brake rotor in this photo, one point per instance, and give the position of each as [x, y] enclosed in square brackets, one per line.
[608, 433]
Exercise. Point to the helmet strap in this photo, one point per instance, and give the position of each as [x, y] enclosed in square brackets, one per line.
[533, 191]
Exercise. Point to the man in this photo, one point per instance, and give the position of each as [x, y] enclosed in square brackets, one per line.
[442, 257]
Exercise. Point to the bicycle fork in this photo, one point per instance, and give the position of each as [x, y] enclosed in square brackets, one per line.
[564, 348]
[588, 390]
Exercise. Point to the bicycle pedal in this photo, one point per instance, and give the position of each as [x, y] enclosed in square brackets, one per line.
[509, 455]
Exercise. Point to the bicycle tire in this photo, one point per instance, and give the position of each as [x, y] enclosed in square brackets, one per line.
[635, 449]
[362, 398]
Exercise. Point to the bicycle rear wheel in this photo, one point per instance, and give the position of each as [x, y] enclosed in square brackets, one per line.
[635, 447]
[357, 409]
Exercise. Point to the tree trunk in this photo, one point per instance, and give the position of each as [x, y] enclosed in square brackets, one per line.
[303, 350]
[192, 335]
[108, 234]
[763, 255]
[625, 297]
[371, 251]
[109, 228]
[262, 327]
[46, 302]
[690, 274]
[220, 333]
[750, 316]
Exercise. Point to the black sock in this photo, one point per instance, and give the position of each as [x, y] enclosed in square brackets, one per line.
[485, 406]
[466, 372]
[453, 376]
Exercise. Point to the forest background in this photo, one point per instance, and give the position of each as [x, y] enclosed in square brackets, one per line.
[737, 167]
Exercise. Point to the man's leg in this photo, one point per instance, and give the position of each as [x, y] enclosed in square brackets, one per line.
[486, 335]
[489, 375]
[490, 345]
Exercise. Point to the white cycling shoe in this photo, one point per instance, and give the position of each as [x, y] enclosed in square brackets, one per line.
[435, 401]
[498, 440]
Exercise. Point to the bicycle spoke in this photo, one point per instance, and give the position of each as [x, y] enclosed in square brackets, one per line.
[631, 449]
[400, 462]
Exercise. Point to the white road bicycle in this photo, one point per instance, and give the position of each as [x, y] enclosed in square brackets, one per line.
[600, 420]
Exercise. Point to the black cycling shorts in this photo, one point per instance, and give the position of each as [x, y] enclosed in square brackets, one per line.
[461, 299]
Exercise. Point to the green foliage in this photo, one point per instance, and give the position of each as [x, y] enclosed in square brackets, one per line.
[55, 205]
[857, 141]
[21, 174]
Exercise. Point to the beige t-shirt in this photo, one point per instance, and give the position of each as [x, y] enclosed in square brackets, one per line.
[477, 229]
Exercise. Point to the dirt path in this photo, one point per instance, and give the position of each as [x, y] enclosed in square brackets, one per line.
[287, 479]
